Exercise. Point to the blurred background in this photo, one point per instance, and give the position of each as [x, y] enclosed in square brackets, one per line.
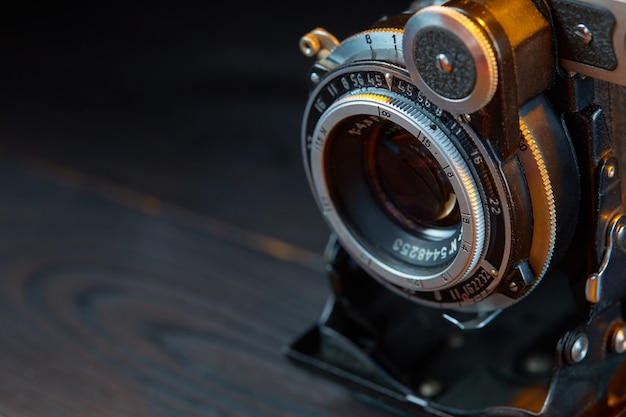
[158, 242]
[195, 106]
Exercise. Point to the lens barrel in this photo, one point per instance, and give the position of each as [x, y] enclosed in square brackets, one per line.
[399, 191]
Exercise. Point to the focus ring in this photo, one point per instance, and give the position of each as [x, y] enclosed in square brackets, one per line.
[394, 109]
[543, 201]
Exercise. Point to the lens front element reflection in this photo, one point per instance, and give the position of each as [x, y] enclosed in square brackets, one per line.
[410, 184]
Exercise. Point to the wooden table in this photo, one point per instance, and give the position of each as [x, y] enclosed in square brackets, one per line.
[159, 246]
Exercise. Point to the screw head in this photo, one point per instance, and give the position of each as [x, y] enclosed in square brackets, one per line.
[578, 348]
[583, 33]
[610, 171]
[314, 77]
[621, 236]
[618, 339]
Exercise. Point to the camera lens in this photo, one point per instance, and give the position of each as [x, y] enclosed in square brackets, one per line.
[396, 189]
[409, 183]
[447, 211]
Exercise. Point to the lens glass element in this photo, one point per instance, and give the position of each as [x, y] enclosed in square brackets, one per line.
[410, 184]
[391, 193]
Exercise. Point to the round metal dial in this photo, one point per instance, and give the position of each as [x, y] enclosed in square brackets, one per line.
[450, 59]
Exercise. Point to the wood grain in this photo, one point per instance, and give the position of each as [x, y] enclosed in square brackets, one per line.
[108, 311]
[159, 245]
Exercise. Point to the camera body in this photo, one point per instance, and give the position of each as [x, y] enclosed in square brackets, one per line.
[466, 156]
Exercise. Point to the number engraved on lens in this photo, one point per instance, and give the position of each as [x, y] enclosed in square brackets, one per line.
[332, 90]
[407, 89]
[426, 254]
[472, 287]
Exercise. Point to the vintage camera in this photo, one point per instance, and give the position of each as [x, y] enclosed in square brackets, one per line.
[466, 156]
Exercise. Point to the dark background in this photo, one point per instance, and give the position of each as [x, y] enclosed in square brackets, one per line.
[158, 242]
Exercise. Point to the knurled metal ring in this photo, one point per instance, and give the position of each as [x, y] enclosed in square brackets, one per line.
[450, 59]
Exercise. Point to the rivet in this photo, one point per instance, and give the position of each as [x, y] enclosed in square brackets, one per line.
[618, 339]
[621, 233]
[578, 349]
[315, 78]
[443, 64]
[610, 171]
[513, 287]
